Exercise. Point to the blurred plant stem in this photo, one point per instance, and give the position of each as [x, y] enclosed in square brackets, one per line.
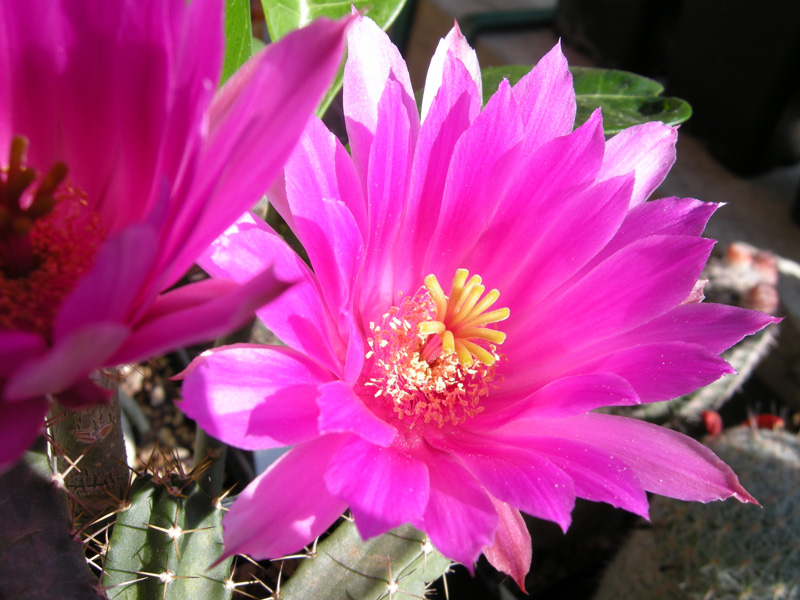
[209, 448]
[91, 440]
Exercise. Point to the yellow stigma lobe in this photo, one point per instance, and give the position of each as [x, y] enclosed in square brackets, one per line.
[461, 318]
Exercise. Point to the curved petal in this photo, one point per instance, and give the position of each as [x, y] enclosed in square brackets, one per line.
[372, 61]
[597, 474]
[453, 48]
[483, 159]
[16, 347]
[563, 397]
[20, 425]
[285, 507]
[511, 552]
[254, 397]
[515, 475]
[548, 96]
[648, 150]
[460, 519]
[197, 323]
[553, 251]
[716, 327]
[640, 282]
[265, 105]
[299, 316]
[87, 83]
[552, 183]
[384, 487]
[667, 216]
[663, 371]
[665, 462]
[342, 411]
[320, 216]
[81, 394]
[72, 358]
[390, 159]
[453, 110]
[110, 290]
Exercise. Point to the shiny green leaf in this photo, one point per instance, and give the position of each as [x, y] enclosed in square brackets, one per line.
[626, 98]
[238, 36]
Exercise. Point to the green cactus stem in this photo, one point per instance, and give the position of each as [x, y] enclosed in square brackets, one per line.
[165, 543]
[399, 564]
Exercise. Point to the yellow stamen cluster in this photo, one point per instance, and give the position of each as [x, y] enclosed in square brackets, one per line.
[401, 379]
[461, 318]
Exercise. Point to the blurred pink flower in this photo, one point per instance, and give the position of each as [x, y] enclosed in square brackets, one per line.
[409, 399]
[124, 164]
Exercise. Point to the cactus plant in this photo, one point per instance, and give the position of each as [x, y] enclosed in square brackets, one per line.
[721, 550]
[343, 566]
[154, 550]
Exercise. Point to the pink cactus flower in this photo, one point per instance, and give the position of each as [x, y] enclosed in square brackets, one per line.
[120, 164]
[482, 281]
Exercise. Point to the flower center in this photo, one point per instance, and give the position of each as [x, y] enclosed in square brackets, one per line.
[48, 239]
[432, 357]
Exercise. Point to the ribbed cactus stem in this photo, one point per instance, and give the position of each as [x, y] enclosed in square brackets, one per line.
[91, 438]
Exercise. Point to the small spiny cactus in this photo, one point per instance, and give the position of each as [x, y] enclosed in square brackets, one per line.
[721, 550]
[165, 542]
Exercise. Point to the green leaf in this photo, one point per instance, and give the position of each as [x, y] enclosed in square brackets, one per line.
[284, 16]
[238, 36]
[626, 98]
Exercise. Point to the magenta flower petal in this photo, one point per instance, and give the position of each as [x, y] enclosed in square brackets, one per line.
[667, 216]
[579, 394]
[453, 109]
[342, 411]
[549, 100]
[390, 160]
[16, 347]
[652, 275]
[122, 265]
[519, 477]
[21, 424]
[665, 461]
[285, 507]
[373, 61]
[555, 253]
[460, 518]
[134, 164]
[453, 50]
[268, 407]
[666, 370]
[648, 150]
[72, 358]
[314, 202]
[82, 394]
[479, 283]
[299, 316]
[716, 327]
[511, 551]
[249, 110]
[384, 487]
[189, 325]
